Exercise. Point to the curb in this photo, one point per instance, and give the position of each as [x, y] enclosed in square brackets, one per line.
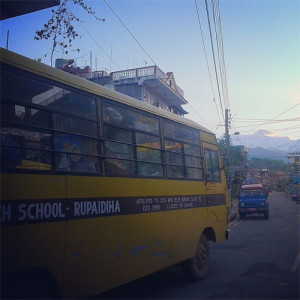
[233, 216]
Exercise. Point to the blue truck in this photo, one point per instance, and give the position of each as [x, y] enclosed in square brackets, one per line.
[253, 200]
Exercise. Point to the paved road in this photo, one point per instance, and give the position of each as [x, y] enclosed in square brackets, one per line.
[259, 261]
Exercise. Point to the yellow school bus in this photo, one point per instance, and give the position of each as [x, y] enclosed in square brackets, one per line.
[99, 189]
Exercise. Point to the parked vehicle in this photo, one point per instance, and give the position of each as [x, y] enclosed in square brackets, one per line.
[253, 200]
[295, 192]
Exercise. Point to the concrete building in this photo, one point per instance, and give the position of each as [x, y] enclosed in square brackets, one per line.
[294, 167]
[147, 84]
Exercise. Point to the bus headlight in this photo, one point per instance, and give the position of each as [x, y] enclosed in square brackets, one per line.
[242, 204]
[262, 203]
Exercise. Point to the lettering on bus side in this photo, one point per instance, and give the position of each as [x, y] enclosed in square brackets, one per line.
[18, 212]
[82, 209]
[14, 212]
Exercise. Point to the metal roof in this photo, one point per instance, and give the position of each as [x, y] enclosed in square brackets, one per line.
[14, 8]
[252, 186]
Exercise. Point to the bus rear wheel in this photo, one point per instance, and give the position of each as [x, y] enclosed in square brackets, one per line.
[30, 285]
[197, 267]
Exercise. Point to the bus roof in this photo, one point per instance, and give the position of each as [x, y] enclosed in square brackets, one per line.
[44, 70]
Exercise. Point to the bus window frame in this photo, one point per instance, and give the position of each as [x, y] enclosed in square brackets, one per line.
[212, 167]
[135, 146]
[182, 152]
[52, 111]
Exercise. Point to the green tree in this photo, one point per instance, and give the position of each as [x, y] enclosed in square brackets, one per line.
[274, 165]
[233, 157]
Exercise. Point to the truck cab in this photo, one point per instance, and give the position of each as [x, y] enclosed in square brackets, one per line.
[253, 200]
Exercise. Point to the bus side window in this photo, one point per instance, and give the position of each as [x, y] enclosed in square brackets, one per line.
[127, 118]
[212, 165]
[215, 165]
[77, 154]
[118, 151]
[208, 166]
[26, 149]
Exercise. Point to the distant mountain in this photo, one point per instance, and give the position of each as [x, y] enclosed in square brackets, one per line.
[265, 144]
[266, 153]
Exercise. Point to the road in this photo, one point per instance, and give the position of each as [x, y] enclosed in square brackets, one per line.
[259, 261]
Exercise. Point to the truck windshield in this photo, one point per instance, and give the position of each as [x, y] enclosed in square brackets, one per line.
[252, 193]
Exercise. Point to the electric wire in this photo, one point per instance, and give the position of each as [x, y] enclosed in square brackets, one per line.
[275, 117]
[245, 120]
[220, 50]
[101, 47]
[207, 64]
[286, 110]
[222, 53]
[256, 125]
[196, 112]
[129, 32]
[214, 59]
[97, 43]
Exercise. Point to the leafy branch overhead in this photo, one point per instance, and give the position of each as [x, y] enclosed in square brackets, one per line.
[60, 27]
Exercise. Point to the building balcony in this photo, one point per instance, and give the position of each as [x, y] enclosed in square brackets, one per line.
[152, 77]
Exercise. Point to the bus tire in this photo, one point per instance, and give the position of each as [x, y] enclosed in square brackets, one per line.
[30, 285]
[197, 267]
[266, 215]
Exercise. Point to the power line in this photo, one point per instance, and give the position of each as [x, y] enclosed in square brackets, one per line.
[100, 47]
[220, 48]
[276, 116]
[261, 124]
[212, 88]
[129, 32]
[265, 120]
[196, 112]
[97, 43]
[213, 52]
[286, 110]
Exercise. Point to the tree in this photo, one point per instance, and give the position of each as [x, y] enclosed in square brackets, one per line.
[274, 165]
[232, 155]
[235, 166]
[60, 27]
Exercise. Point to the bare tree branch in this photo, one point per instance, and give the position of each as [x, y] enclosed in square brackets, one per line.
[60, 27]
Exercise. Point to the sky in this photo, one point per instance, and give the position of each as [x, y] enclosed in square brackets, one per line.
[261, 46]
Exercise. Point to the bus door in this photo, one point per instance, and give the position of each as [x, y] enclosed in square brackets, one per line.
[216, 192]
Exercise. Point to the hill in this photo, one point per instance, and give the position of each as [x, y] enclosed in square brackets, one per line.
[264, 144]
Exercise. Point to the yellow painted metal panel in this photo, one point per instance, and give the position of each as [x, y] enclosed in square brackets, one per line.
[38, 245]
[83, 186]
[33, 246]
[32, 186]
[128, 247]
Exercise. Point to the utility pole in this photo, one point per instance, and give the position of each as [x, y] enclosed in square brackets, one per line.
[228, 154]
[226, 128]
[7, 39]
